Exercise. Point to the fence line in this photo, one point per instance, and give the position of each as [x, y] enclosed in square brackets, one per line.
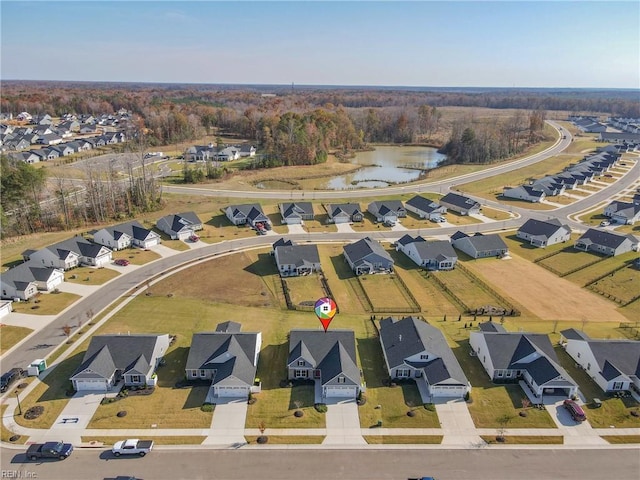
[506, 304]
[408, 292]
[458, 300]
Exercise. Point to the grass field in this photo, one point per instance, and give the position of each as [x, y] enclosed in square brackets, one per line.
[495, 214]
[466, 289]
[568, 259]
[526, 439]
[136, 256]
[275, 406]
[90, 275]
[305, 289]
[46, 303]
[385, 292]
[289, 439]
[10, 335]
[588, 274]
[403, 439]
[157, 440]
[616, 439]
[526, 250]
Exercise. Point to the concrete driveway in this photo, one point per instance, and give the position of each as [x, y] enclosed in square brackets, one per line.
[227, 426]
[456, 422]
[574, 432]
[344, 228]
[296, 228]
[343, 423]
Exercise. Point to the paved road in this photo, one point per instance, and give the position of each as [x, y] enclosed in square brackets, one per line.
[340, 464]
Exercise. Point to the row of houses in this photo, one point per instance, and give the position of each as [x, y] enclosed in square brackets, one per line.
[43, 269]
[383, 211]
[54, 148]
[412, 349]
[572, 177]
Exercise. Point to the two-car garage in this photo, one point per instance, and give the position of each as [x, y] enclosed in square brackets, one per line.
[342, 391]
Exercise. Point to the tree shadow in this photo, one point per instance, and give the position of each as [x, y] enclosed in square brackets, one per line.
[341, 267]
[263, 267]
[57, 381]
[220, 221]
[173, 369]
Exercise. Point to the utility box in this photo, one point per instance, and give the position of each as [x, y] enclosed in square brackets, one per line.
[37, 367]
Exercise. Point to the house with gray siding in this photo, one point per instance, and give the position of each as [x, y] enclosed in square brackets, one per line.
[295, 213]
[459, 203]
[433, 255]
[606, 242]
[344, 212]
[294, 260]
[367, 256]
[180, 226]
[480, 245]
[542, 233]
[425, 208]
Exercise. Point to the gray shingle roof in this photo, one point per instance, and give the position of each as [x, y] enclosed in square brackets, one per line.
[296, 209]
[604, 237]
[489, 242]
[348, 208]
[422, 203]
[459, 200]
[544, 228]
[409, 336]
[365, 247]
[435, 249]
[298, 255]
[334, 352]
[180, 221]
[133, 229]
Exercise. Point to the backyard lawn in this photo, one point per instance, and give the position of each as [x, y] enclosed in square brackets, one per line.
[526, 250]
[467, 289]
[305, 290]
[568, 259]
[385, 292]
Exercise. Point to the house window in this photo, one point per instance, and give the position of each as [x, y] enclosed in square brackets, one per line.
[578, 355]
[341, 380]
[499, 373]
[135, 378]
[301, 363]
[194, 373]
[617, 385]
[403, 373]
[588, 366]
[203, 373]
[424, 357]
[300, 373]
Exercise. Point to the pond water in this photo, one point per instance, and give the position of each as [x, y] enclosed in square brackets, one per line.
[387, 165]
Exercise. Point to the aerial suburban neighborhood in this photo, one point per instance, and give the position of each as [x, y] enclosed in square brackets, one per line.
[256, 262]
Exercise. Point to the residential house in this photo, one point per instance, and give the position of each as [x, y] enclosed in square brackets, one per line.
[87, 128]
[18, 143]
[124, 235]
[524, 192]
[435, 255]
[26, 157]
[425, 208]
[480, 245]
[46, 279]
[530, 357]
[249, 213]
[110, 359]
[47, 153]
[227, 154]
[605, 242]
[228, 358]
[542, 233]
[65, 150]
[459, 203]
[413, 349]
[199, 153]
[616, 137]
[49, 139]
[247, 150]
[623, 212]
[6, 307]
[180, 226]
[328, 358]
[71, 253]
[344, 212]
[294, 260]
[296, 213]
[613, 364]
[367, 256]
[387, 211]
[15, 288]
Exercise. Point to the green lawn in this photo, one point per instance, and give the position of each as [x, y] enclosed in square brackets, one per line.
[157, 440]
[10, 335]
[526, 250]
[617, 439]
[46, 303]
[495, 214]
[526, 439]
[276, 406]
[385, 292]
[136, 256]
[588, 274]
[568, 259]
[90, 275]
[466, 288]
[289, 439]
[403, 439]
[340, 278]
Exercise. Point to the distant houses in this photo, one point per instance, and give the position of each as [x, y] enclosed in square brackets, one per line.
[543, 233]
[180, 226]
[295, 213]
[246, 214]
[425, 208]
[387, 211]
[126, 235]
[71, 253]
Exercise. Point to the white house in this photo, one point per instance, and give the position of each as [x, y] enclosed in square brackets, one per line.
[542, 233]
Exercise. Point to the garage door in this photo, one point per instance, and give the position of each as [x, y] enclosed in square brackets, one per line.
[340, 392]
[93, 385]
[232, 391]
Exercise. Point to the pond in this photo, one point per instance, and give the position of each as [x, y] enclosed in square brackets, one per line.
[387, 165]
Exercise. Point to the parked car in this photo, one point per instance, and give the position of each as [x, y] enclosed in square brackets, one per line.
[57, 450]
[132, 446]
[605, 223]
[438, 219]
[194, 238]
[9, 377]
[123, 262]
[575, 410]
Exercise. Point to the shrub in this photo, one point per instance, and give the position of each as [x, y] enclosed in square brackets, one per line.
[430, 407]
[467, 397]
[207, 407]
[321, 407]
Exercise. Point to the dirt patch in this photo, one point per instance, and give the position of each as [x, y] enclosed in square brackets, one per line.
[544, 294]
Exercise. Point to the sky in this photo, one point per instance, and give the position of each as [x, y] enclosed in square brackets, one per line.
[572, 44]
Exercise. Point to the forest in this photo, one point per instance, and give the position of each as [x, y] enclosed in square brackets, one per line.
[290, 126]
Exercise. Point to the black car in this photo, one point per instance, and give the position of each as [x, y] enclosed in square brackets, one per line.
[8, 378]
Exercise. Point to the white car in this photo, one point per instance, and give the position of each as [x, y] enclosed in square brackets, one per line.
[605, 223]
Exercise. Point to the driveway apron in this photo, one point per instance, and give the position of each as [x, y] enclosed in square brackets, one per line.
[343, 423]
[227, 426]
[456, 422]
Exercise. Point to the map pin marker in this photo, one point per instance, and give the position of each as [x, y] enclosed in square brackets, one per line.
[325, 309]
